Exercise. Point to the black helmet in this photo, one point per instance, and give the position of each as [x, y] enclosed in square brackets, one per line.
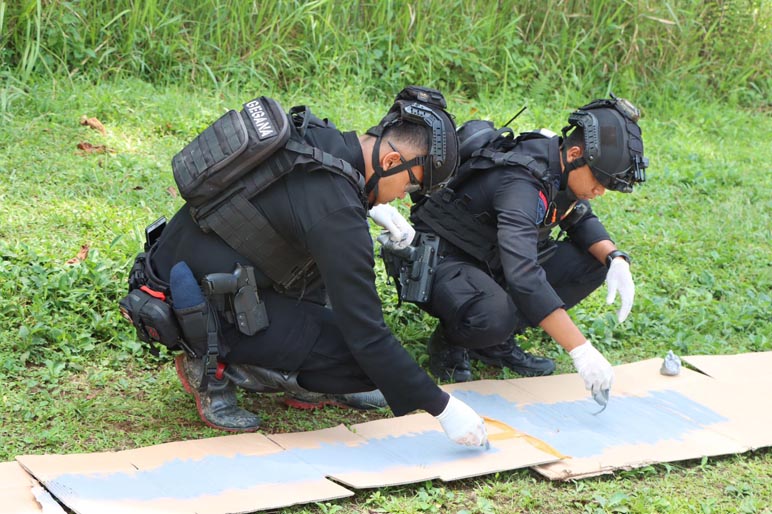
[426, 107]
[613, 147]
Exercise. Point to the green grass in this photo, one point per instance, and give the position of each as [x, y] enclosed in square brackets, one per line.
[475, 48]
[75, 379]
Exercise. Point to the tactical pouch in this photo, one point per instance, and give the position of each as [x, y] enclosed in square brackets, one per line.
[151, 316]
[194, 325]
[229, 148]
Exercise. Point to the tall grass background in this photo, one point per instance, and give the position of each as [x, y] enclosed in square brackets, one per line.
[650, 49]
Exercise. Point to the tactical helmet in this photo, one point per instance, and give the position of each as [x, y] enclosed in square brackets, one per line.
[426, 107]
[613, 147]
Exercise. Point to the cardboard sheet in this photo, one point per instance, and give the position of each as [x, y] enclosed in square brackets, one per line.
[744, 367]
[240, 473]
[742, 393]
[547, 422]
[22, 494]
[402, 451]
[414, 449]
[651, 418]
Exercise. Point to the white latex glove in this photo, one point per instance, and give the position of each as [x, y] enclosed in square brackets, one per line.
[401, 233]
[619, 279]
[595, 370]
[463, 425]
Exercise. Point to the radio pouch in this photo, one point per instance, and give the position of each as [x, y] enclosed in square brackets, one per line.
[151, 316]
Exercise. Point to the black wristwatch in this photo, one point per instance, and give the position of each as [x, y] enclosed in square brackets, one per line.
[613, 255]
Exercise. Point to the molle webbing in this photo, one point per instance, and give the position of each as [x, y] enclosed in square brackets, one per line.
[240, 224]
[487, 158]
[233, 161]
[453, 222]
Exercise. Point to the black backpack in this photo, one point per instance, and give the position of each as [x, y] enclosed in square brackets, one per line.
[235, 159]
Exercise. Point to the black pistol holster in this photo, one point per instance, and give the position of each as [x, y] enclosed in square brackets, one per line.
[413, 267]
[235, 294]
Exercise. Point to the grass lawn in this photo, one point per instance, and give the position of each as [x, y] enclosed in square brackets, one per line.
[75, 379]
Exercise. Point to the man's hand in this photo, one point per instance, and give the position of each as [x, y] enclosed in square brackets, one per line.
[595, 370]
[462, 424]
[619, 279]
[401, 233]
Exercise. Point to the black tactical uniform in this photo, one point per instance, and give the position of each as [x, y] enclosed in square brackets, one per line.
[345, 348]
[481, 304]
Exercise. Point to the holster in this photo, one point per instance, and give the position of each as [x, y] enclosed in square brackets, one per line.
[201, 331]
[413, 268]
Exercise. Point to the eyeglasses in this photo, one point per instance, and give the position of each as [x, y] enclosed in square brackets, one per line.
[414, 186]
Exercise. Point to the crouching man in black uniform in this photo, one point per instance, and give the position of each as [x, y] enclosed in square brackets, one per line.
[318, 331]
[499, 271]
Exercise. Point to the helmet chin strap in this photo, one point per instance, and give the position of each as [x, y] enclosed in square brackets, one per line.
[568, 167]
[378, 172]
[371, 186]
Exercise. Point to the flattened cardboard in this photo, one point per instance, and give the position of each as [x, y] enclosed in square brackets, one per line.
[22, 494]
[650, 418]
[349, 458]
[402, 450]
[419, 442]
[740, 389]
[744, 367]
[233, 474]
[547, 422]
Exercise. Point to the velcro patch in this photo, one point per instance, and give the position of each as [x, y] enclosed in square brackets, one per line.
[260, 118]
[541, 207]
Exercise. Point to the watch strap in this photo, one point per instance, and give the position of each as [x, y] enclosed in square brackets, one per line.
[613, 255]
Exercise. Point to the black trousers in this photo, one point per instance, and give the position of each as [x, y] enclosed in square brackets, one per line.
[302, 336]
[476, 312]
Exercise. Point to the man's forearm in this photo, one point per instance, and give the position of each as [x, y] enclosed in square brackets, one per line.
[601, 249]
[562, 329]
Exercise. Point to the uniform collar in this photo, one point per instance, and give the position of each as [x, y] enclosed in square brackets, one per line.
[358, 160]
[553, 156]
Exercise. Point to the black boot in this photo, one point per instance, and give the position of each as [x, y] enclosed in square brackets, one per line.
[510, 355]
[216, 401]
[449, 363]
[368, 400]
[263, 380]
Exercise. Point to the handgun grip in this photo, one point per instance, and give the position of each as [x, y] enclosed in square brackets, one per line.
[219, 283]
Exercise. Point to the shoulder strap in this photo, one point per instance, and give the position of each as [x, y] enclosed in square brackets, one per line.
[501, 152]
[239, 223]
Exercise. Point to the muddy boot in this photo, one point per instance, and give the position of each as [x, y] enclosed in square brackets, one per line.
[509, 355]
[216, 403]
[448, 362]
[263, 380]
